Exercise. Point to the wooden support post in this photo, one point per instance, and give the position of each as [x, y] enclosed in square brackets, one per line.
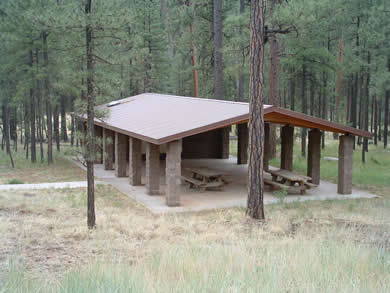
[344, 184]
[286, 160]
[99, 144]
[120, 154]
[173, 173]
[314, 156]
[135, 161]
[242, 143]
[224, 142]
[108, 149]
[267, 146]
[152, 169]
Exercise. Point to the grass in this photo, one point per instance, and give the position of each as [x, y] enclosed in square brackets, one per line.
[328, 246]
[316, 246]
[373, 175]
[15, 181]
[27, 172]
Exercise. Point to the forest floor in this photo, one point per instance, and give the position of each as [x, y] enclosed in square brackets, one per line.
[39, 172]
[322, 246]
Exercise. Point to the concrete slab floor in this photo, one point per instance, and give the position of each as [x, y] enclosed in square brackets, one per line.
[233, 195]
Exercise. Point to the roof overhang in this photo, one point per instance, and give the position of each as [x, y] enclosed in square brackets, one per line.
[159, 119]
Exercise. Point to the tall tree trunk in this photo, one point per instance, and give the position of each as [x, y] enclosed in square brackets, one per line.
[64, 133]
[6, 130]
[48, 100]
[255, 207]
[56, 122]
[241, 75]
[375, 104]
[72, 123]
[165, 22]
[339, 77]
[386, 120]
[312, 95]
[292, 90]
[40, 113]
[27, 127]
[273, 80]
[90, 156]
[366, 112]
[218, 65]
[32, 113]
[304, 109]
[193, 60]
[380, 120]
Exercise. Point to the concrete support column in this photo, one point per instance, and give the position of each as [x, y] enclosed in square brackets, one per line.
[344, 184]
[267, 146]
[120, 154]
[286, 160]
[99, 144]
[314, 156]
[135, 161]
[242, 143]
[152, 168]
[224, 142]
[108, 149]
[173, 173]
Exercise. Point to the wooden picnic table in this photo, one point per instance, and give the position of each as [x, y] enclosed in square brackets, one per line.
[292, 182]
[204, 178]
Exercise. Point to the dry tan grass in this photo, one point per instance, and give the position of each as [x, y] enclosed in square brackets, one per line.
[46, 231]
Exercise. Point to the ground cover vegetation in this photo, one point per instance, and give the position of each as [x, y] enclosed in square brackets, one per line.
[328, 59]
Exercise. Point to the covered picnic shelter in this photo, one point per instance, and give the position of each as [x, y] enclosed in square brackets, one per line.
[153, 127]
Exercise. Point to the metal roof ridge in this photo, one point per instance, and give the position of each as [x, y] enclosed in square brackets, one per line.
[197, 98]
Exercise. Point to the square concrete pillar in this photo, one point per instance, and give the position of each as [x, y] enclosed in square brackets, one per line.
[286, 160]
[99, 144]
[108, 149]
[344, 184]
[242, 143]
[152, 168]
[173, 173]
[135, 161]
[120, 154]
[224, 141]
[267, 146]
[314, 156]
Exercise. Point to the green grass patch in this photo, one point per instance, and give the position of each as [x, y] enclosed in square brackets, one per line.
[15, 181]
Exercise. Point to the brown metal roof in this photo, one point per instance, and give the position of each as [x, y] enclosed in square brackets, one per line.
[284, 116]
[160, 118]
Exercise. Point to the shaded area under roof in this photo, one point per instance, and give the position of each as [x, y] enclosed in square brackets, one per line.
[159, 119]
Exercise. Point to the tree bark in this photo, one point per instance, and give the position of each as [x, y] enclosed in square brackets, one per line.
[90, 156]
[292, 89]
[6, 130]
[56, 122]
[48, 101]
[255, 207]
[218, 66]
[32, 113]
[273, 81]
[241, 76]
[64, 132]
[304, 109]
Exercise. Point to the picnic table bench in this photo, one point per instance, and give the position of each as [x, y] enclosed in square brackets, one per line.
[291, 182]
[204, 178]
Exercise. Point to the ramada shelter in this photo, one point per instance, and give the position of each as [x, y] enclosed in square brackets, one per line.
[153, 127]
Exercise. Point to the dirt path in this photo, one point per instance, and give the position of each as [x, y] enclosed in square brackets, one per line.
[56, 185]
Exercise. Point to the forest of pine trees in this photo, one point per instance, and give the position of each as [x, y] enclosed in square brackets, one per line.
[328, 58]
